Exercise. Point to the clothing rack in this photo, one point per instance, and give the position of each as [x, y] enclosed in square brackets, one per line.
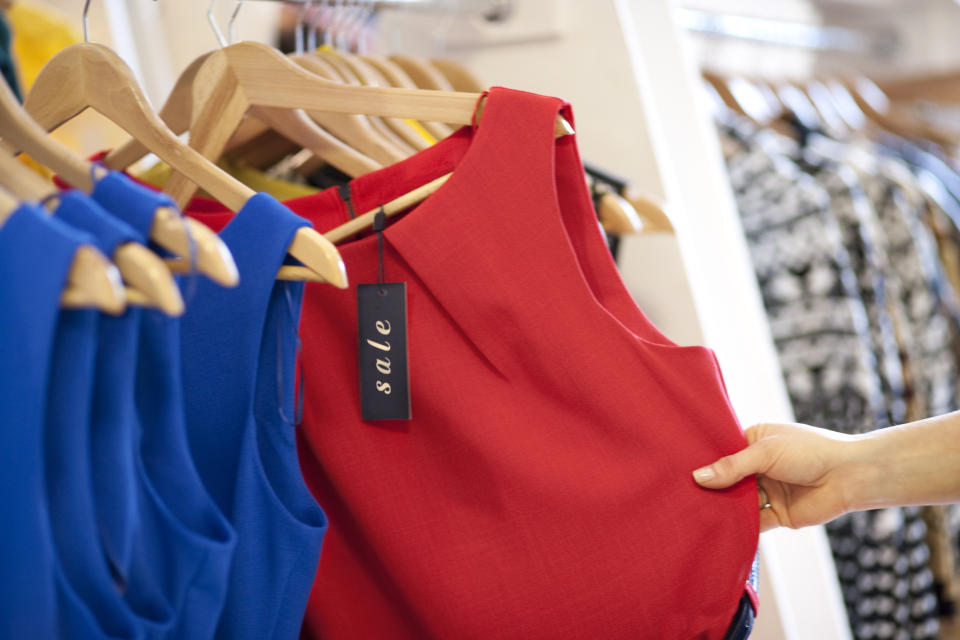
[790, 34]
[492, 10]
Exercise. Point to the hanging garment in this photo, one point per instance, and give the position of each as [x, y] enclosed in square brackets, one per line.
[112, 434]
[818, 321]
[284, 188]
[8, 69]
[239, 392]
[30, 243]
[183, 549]
[856, 222]
[89, 603]
[528, 496]
[821, 331]
[128, 201]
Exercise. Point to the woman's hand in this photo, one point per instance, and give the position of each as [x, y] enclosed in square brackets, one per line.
[808, 474]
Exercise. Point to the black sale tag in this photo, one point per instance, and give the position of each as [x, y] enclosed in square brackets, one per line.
[384, 367]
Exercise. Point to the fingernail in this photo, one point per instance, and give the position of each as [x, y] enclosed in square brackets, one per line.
[704, 474]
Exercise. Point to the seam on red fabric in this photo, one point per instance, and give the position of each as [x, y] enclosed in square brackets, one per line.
[476, 107]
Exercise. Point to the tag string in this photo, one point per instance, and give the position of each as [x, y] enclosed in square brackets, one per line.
[298, 367]
[379, 222]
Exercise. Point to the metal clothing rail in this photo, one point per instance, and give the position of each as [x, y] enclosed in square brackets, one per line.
[493, 10]
[789, 34]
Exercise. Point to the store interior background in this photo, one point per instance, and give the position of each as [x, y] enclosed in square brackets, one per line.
[630, 68]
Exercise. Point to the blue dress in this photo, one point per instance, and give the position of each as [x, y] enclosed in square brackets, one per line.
[30, 243]
[113, 428]
[239, 392]
[183, 547]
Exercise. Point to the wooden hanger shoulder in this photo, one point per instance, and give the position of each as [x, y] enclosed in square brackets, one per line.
[369, 76]
[458, 75]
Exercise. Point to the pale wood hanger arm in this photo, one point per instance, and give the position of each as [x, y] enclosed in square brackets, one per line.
[107, 85]
[149, 279]
[92, 282]
[397, 77]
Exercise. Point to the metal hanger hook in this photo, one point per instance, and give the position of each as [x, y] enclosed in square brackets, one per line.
[320, 16]
[233, 20]
[213, 24]
[86, 29]
[301, 26]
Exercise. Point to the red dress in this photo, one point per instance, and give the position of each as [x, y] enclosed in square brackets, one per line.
[542, 488]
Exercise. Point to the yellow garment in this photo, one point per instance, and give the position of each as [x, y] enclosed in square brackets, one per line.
[38, 34]
[421, 131]
[160, 173]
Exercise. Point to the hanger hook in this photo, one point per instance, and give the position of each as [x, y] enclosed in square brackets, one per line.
[301, 26]
[86, 31]
[233, 20]
[320, 17]
[213, 24]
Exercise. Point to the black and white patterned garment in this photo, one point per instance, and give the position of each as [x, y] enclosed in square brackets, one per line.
[856, 219]
[939, 345]
[924, 290]
[818, 322]
[821, 331]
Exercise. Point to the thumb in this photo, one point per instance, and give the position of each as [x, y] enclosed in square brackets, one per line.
[732, 469]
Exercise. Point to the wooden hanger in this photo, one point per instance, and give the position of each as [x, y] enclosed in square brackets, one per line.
[151, 283]
[91, 75]
[92, 282]
[617, 215]
[629, 212]
[391, 208]
[22, 132]
[271, 79]
[19, 131]
[459, 77]
[249, 73]
[176, 114]
[397, 77]
[943, 87]
[138, 265]
[822, 101]
[219, 106]
[875, 104]
[752, 100]
[369, 76]
[797, 102]
[420, 194]
[349, 76]
[423, 74]
[719, 85]
[652, 213]
[355, 129]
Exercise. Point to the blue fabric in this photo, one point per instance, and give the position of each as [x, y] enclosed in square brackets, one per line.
[82, 212]
[30, 244]
[195, 567]
[89, 602]
[113, 439]
[239, 393]
[113, 428]
[178, 566]
[133, 203]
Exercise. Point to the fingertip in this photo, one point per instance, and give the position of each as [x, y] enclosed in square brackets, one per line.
[704, 475]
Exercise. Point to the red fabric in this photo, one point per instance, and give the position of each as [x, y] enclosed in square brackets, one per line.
[542, 488]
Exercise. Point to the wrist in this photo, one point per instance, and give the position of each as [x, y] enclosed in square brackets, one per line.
[862, 474]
